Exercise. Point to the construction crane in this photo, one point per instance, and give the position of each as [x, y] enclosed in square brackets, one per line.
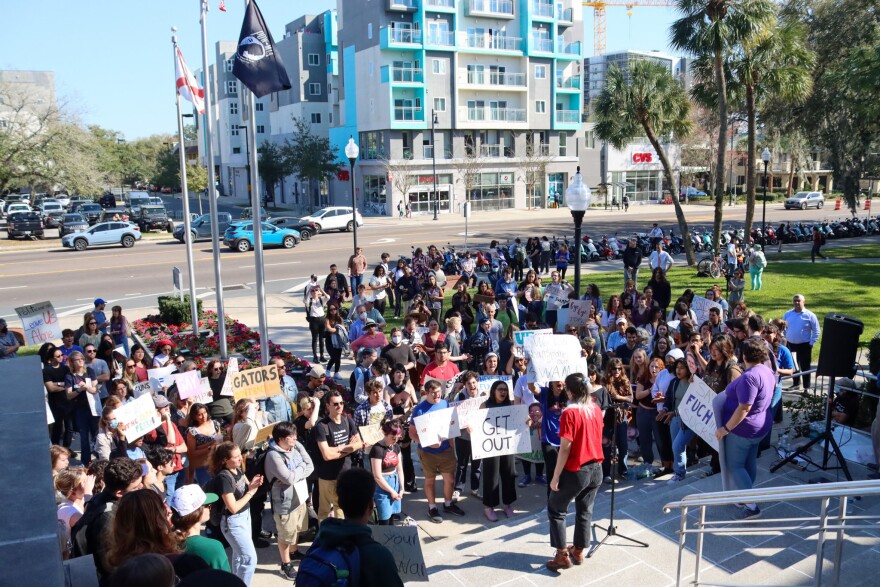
[599, 17]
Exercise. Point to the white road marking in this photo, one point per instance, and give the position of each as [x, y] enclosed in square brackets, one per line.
[285, 263]
[14, 287]
[133, 294]
[383, 241]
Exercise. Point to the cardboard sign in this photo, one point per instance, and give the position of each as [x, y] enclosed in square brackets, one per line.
[371, 434]
[258, 383]
[535, 455]
[520, 336]
[139, 417]
[501, 431]
[189, 384]
[436, 426]
[231, 367]
[696, 411]
[468, 409]
[552, 357]
[579, 312]
[141, 388]
[701, 307]
[486, 382]
[40, 323]
[264, 434]
[161, 377]
[406, 548]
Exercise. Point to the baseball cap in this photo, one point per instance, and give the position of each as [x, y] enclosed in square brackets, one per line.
[370, 324]
[189, 498]
[99, 301]
[484, 319]
[317, 372]
[160, 401]
[621, 320]
[675, 354]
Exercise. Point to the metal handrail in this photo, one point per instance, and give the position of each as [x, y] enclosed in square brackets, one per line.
[824, 523]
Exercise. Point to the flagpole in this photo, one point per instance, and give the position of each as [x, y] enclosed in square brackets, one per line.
[193, 306]
[212, 185]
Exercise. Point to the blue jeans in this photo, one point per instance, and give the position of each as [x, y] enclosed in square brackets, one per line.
[87, 427]
[742, 459]
[355, 280]
[385, 506]
[171, 484]
[681, 436]
[237, 531]
[202, 476]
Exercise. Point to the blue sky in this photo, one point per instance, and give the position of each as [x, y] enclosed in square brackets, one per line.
[113, 60]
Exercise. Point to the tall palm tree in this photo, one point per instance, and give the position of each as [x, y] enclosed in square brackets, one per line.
[714, 27]
[649, 102]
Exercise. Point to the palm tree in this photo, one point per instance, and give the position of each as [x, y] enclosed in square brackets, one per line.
[649, 102]
[714, 27]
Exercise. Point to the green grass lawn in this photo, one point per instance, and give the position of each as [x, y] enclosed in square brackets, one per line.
[831, 251]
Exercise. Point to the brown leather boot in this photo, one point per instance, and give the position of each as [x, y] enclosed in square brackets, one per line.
[560, 561]
[576, 554]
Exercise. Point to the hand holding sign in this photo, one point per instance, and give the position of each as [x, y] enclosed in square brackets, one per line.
[696, 411]
[501, 431]
[552, 357]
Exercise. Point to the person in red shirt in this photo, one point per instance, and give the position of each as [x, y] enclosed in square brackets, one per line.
[167, 435]
[441, 367]
[578, 473]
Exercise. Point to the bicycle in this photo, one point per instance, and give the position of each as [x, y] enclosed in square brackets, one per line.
[715, 266]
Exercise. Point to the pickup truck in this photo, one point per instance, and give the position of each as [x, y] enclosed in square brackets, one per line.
[23, 224]
[200, 228]
[151, 218]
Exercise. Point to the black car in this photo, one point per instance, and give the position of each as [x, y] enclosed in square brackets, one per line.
[107, 201]
[152, 218]
[91, 212]
[53, 218]
[306, 229]
[71, 223]
[25, 224]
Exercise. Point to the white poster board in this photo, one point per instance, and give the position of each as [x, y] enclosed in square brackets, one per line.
[696, 411]
[40, 323]
[436, 426]
[486, 381]
[552, 357]
[231, 367]
[141, 388]
[701, 307]
[578, 312]
[139, 417]
[501, 431]
[406, 548]
[161, 377]
[520, 336]
[467, 409]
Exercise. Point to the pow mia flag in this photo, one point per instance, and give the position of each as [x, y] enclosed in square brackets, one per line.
[257, 65]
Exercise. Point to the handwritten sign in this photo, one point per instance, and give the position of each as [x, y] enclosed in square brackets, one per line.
[231, 367]
[406, 548]
[553, 301]
[501, 431]
[141, 388]
[552, 357]
[205, 395]
[486, 381]
[535, 455]
[520, 336]
[437, 425]
[468, 409]
[696, 411]
[40, 323]
[264, 433]
[161, 377]
[258, 383]
[701, 307]
[579, 312]
[189, 384]
[138, 416]
[371, 434]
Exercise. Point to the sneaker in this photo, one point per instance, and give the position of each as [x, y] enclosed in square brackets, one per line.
[808, 391]
[676, 479]
[336, 375]
[476, 493]
[412, 488]
[453, 509]
[541, 480]
[747, 513]
[434, 515]
[526, 480]
[455, 495]
[287, 571]
[607, 480]
[561, 561]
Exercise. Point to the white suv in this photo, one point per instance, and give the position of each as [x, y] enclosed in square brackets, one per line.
[334, 218]
[804, 200]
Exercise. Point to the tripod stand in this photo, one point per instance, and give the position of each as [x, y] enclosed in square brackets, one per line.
[611, 530]
[828, 437]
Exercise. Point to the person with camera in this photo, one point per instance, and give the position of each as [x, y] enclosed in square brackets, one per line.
[481, 344]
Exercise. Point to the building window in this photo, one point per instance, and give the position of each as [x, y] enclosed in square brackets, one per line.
[540, 72]
[374, 190]
[494, 191]
[329, 88]
[427, 147]
[371, 69]
[233, 108]
[590, 139]
[563, 144]
[439, 66]
[232, 87]
[369, 30]
[261, 129]
[314, 59]
[316, 118]
[233, 131]
[314, 89]
[236, 150]
[540, 106]
[227, 65]
[440, 104]
[258, 106]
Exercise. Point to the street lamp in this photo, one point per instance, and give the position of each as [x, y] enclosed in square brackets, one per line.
[765, 157]
[247, 154]
[434, 164]
[352, 151]
[578, 197]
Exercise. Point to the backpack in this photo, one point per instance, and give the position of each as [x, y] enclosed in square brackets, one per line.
[520, 253]
[324, 566]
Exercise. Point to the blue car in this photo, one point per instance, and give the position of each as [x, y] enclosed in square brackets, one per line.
[239, 236]
[690, 192]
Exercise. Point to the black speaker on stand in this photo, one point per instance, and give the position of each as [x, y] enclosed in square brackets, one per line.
[837, 358]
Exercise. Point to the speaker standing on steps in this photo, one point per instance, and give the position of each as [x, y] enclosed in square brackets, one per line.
[801, 333]
[840, 344]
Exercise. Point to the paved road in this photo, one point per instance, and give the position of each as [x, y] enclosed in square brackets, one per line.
[134, 277]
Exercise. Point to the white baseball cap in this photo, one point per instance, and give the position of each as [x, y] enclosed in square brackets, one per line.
[189, 498]
[675, 354]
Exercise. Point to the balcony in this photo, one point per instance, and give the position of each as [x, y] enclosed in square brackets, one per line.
[571, 83]
[541, 44]
[490, 150]
[565, 16]
[400, 38]
[568, 116]
[572, 50]
[491, 8]
[476, 114]
[440, 5]
[440, 39]
[403, 5]
[491, 42]
[407, 75]
[542, 9]
[497, 80]
[409, 114]
[508, 114]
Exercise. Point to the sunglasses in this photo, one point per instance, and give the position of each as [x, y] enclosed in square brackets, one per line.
[130, 366]
[617, 369]
[572, 329]
[337, 404]
[92, 322]
[91, 351]
[58, 356]
[179, 362]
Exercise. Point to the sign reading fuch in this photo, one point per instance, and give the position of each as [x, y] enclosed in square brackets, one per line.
[500, 431]
[258, 383]
[696, 411]
[40, 323]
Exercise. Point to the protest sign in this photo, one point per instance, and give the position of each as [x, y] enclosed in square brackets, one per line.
[121, 350]
[561, 320]
[500, 431]
[40, 323]
[406, 548]
[371, 434]
[701, 307]
[141, 388]
[578, 312]
[536, 454]
[553, 301]
[231, 367]
[264, 434]
[138, 417]
[161, 377]
[520, 336]
[189, 384]
[466, 409]
[486, 382]
[258, 383]
[205, 395]
[552, 357]
[437, 425]
[695, 410]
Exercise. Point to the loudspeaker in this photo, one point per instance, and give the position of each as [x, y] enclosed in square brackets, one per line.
[840, 342]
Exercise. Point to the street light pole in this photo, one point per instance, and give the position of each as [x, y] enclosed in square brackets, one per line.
[578, 197]
[352, 151]
[434, 165]
[247, 153]
[765, 157]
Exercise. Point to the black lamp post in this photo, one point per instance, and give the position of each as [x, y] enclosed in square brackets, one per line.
[247, 154]
[765, 157]
[434, 165]
[352, 151]
[577, 197]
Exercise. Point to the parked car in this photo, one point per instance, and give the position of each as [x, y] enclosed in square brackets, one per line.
[104, 233]
[804, 200]
[248, 213]
[334, 218]
[91, 212]
[306, 229]
[46, 207]
[15, 207]
[239, 236]
[24, 224]
[117, 213]
[71, 223]
[107, 201]
[152, 218]
[137, 199]
[76, 202]
[53, 218]
[63, 199]
[690, 192]
[200, 228]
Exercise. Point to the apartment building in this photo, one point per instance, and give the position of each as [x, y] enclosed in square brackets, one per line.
[485, 88]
